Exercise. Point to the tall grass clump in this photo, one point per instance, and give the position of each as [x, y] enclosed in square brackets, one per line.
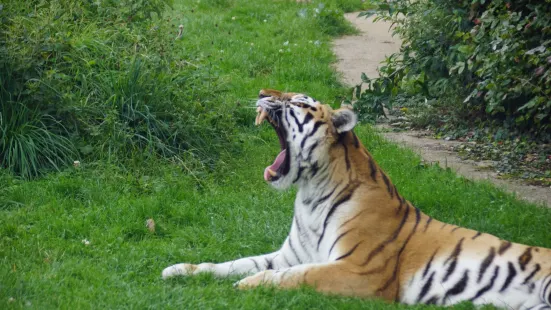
[30, 141]
[99, 80]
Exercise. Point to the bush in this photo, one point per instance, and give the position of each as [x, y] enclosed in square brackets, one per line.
[101, 78]
[495, 54]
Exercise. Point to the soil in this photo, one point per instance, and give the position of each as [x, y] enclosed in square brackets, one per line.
[364, 53]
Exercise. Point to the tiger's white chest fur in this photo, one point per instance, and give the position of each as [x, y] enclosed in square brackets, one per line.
[315, 224]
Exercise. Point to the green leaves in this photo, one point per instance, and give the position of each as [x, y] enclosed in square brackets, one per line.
[498, 49]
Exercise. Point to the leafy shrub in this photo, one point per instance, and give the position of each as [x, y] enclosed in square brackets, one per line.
[495, 54]
[105, 79]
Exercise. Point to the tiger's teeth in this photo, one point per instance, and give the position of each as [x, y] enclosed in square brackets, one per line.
[272, 173]
[261, 116]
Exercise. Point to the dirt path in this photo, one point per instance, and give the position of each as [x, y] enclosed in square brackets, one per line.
[363, 53]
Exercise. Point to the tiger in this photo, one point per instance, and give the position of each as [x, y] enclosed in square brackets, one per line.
[353, 234]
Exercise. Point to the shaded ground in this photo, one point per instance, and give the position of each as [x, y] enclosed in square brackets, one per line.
[363, 53]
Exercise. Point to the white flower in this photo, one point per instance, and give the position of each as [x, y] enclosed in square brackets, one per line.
[11, 299]
[85, 242]
[252, 44]
[285, 43]
[76, 163]
[280, 50]
[233, 18]
[317, 42]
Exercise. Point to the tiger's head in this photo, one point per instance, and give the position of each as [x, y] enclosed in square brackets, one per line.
[306, 130]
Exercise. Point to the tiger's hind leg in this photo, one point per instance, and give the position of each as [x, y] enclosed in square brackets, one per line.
[335, 278]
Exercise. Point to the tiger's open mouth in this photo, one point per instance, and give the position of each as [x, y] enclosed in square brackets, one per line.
[281, 165]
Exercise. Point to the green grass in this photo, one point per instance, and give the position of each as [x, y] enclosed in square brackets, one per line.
[220, 215]
[232, 214]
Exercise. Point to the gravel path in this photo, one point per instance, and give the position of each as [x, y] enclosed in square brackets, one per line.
[363, 53]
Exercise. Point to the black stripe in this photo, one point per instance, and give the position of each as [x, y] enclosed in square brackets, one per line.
[349, 252]
[397, 265]
[505, 245]
[488, 286]
[255, 264]
[286, 260]
[459, 287]
[453, 258]
[324, 198]
[307, 119]
[269, 263]
[443, 225]
[545, 290]
[317, 125]
[400, 206]
[353, 218]
[346, 159]
[300, 125]
[356, 141]
[531, 275]
[512, 273]
[373, 168]
[300, 235]
[388, 185]
[525, 258]
[427, 267]
[299, 228]
[314, 169]
[330, 213]
[397, 194]
[427, 224]
[432, 301]
[393, 237]
[299, 173]
[426, 287]
[477, 235]
[292, 113]
[308, 158]
[286, 116]
[486, 263]
[338, 238]
[455, 229]
[294, 251]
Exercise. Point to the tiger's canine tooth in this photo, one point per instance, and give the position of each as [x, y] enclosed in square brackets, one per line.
[261, 116]
[272, 173]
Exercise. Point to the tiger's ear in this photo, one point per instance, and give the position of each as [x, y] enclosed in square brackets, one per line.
[344, 119]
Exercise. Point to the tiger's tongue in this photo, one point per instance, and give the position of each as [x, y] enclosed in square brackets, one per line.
[277, 163]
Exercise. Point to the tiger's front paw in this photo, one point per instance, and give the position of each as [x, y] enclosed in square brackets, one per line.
[187, 269]
[260, 278]
[179, 270]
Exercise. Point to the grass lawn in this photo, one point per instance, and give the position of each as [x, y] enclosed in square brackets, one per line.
[46, 263]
